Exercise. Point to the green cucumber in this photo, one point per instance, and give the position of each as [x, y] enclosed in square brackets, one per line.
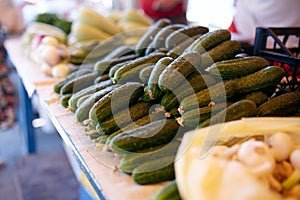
[209, 40]
[64, 100]
[103, 66]
[160, 66]
[130, 161]
[145, 74]
[140, 122]
[237, 67]
[194, 83]
[57, 86]
[220, 92]
[223, 51]
[114, 68]
[178, 70]
[170, 191]
[117, 99]
[265, 78]
[193, 118]
[258, 97]
[286, 104]
[154, 171]
[122, 118]
[147, 38]
[79, 83]
[142, 61]
[180, 48]
[236, 111]
[182, 34]
[82, 111]
[159, 39]
[102, 78]
[88, 90]
[82, 99]
[152, 134]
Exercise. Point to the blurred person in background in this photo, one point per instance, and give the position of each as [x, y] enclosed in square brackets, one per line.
[175, 10]
[250, 14]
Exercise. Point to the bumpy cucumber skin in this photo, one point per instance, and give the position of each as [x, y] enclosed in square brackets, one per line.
[79, 83]
[153, 88]
[283, 105]
[152, 134]
[148, 60]
[209, 40]
[122, 96]
[147, 38]
[154, 171]
[224, 51]
[220, 92]
[145, 74]
[237, 110]
[64, 100]
[130, 161]
[183, 34]
[88, 90]
[265, 78]
[114, 68]
[82, 111]
[258, 97]
[179, 70]
[180, 48]
[57, 86]
[238, 67]
[159, 39]
[123, 118]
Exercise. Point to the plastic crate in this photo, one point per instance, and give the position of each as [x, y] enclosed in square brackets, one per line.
[271, 43]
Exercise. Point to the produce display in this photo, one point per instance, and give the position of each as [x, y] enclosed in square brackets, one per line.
[59, 45]
[140, 99]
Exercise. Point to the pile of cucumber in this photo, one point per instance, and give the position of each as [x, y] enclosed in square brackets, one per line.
[140, 101]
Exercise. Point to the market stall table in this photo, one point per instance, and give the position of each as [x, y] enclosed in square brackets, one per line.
[99, 166]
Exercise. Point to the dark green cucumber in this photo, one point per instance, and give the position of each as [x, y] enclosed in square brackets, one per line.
[170, 191]
[286, 104]
[120, 51]
[140, 122]
[194, 83]
[178, 70]
[88, 90]
[94, 136]
[119, 98]
[209, 40]
[224, 51]
[103, 66]
[146, 96]
[180, 35]
[82, 111]
[180, 48]
[82, 99]
[102, 139]
[258, 97]
[102, 78]
[57, 86]
[265, 78]
[64, 100]
[114, 68]
[173, 113]
[130, 161]
[147, 38]
[145, 74]
[123, 118]
[152, 134]
[154, 171]
[79, 83]
[220, 92]
[159, 39]
[133, 74]
[154, 91]
[236, 111]
[193, 118]
[237, 67]
[149, 59]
